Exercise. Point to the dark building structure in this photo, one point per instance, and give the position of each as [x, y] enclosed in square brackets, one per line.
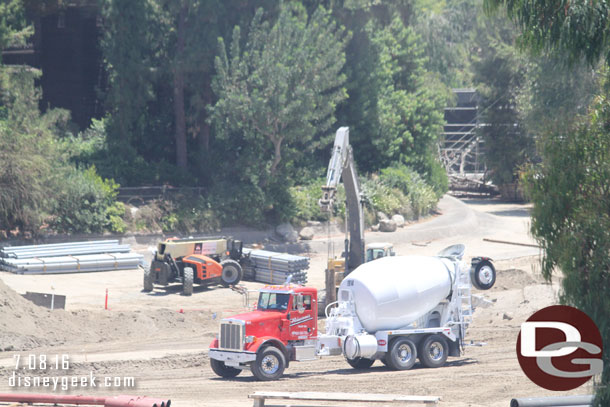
[66, 48]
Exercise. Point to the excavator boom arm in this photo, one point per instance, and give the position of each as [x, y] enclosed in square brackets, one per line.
[342, 166]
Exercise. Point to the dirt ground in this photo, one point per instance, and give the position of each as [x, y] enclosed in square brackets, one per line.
[161, 338]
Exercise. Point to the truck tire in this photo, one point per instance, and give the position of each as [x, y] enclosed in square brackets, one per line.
[231, 272]
[223, 370]
[433, 351]
[269, 364]
[402, 354]
[483, 275]
[360, 363]
[148, 281]
[187, 281]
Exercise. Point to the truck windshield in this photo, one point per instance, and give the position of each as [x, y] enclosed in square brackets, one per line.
[372, 254]
[273, 301]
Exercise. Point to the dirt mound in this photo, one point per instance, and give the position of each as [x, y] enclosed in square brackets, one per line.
[25, 326]
[514, 278]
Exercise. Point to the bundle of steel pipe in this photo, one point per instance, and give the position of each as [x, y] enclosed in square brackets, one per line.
[63, 249]
[73, 264]
[274, 268]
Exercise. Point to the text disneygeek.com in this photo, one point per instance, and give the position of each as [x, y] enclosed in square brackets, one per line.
[34, 371]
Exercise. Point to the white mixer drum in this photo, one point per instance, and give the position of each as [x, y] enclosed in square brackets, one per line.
[392, 292]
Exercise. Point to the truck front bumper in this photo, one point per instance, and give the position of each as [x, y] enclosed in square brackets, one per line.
[233, 359]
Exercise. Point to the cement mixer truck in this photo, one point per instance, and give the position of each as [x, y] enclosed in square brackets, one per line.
[395, 309]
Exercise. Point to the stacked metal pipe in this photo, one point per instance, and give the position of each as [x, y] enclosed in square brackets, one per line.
[60, 249]
[274, 268]
[103, 255]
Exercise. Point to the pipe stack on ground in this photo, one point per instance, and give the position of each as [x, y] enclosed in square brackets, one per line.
[61, 249]
[274, 268]
[102, 255]
[561, 401]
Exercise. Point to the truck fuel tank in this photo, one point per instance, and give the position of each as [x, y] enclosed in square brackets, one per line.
[393, 292]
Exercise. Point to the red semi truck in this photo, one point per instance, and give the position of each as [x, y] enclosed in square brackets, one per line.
[395, 309]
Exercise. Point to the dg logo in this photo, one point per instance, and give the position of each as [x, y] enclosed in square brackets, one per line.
[560, 348]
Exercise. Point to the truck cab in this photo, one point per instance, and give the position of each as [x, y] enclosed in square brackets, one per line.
[282, 328]
[376, 251]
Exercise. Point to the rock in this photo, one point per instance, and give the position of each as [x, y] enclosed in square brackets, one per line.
[306, 233]
[313, 223]
[287, 232]
[382, 216]
[399, 220]
[375, 228]
[507, 316]
[387, 225]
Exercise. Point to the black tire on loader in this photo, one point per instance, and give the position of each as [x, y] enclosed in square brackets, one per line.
[148, 281]
[231, 272]
[187, 281]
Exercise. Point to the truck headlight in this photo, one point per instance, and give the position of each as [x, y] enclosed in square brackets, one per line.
[250, 338]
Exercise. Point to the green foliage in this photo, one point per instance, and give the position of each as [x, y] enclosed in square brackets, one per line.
[305, 199]
[397, 189]
[127, 45]
[577, 28]
[500, 71]
[571, 217]
[395, 107]
[87, 204]
[14, 29]
[421, 197]
[29, 157]
[380, 197]
[553, 93]
[447, 32]
[281, 90]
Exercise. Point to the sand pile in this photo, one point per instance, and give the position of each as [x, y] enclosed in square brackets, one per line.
[25, 326]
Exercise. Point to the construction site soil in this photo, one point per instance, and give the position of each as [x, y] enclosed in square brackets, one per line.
[160, 339]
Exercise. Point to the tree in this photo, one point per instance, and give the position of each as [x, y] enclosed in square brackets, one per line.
[500, 72]
[278, 95]
[127, 46]
[29, 159]
[571, 217]
[569, 188]
[395, 106]
[577, 28]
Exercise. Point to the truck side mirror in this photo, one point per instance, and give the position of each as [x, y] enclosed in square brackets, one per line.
[288, 316]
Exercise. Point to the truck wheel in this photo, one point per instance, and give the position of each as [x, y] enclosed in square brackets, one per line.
[187, 281]
[269, 364]
[483, 275]
[360, 363]
[223, 370]
[231, 272]
[148, 281]
[433, 351]
[402, 354]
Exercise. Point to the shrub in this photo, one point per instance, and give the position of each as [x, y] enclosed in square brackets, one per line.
[86, 204]
[421, 196]
[384, 198]
[305, 201]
